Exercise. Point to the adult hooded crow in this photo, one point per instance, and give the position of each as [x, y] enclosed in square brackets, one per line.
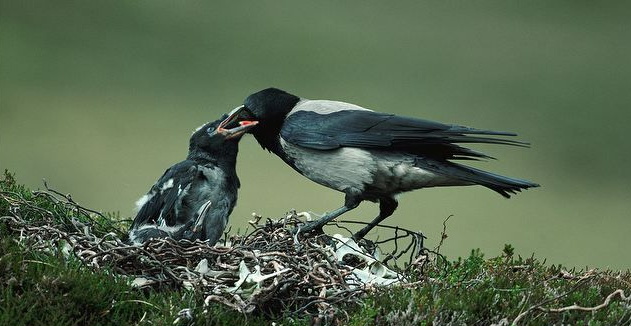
[193, 198]
[369, 155]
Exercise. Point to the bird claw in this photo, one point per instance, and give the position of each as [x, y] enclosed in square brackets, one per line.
[309, 227]
[312, 226]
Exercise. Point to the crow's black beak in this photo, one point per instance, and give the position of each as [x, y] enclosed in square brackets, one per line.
[233, 118]
[233, 125]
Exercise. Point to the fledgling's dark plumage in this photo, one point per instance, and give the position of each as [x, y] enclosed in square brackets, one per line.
[193, 198]
[370, 155]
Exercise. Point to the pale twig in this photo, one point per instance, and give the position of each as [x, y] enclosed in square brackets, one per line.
[607, 301]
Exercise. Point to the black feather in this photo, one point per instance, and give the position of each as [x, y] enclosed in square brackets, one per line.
[503, 185]
[182, 174]
[207, 175]
[368, 129]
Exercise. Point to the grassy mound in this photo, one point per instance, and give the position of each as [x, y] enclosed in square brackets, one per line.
[49, 285]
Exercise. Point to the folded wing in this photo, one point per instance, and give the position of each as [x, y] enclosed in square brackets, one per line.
[368, 129]
[160, 202]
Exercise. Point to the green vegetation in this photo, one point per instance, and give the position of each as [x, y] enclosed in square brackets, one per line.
[40, 289]
[45, 287]
[478, 291]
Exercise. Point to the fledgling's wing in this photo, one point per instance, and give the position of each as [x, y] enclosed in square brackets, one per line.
[158, 205]
[369, 129]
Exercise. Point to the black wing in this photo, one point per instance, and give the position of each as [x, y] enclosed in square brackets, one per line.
[368, 129]
[165, 193]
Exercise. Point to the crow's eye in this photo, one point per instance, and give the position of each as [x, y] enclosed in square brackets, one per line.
[210, 130]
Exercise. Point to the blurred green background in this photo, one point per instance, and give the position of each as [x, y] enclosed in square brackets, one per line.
[100, 97]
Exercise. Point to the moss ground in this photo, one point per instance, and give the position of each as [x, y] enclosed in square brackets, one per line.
[40, 288]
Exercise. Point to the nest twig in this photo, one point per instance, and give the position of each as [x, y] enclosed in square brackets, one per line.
[269, 269]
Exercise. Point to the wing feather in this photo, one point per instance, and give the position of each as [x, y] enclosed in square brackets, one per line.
[164, 195]
[368, 129]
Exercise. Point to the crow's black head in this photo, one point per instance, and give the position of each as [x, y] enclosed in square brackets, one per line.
[214, 139]
[269, 107]
[270, 104]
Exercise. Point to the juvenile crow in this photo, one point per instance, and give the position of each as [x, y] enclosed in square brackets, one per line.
[193, 198]
[369, 155]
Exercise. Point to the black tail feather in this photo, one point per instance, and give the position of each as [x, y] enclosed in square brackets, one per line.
[505, 186]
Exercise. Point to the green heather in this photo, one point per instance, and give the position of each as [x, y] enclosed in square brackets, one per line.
[40, 288]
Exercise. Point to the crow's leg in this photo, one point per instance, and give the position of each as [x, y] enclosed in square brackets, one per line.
[387, 205]
[351, 202]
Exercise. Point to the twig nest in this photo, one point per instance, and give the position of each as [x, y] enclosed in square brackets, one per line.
[271, 268]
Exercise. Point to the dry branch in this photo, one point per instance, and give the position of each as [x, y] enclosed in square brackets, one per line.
[270, 269]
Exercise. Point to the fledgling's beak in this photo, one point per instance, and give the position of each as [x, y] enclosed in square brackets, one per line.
[232, 126]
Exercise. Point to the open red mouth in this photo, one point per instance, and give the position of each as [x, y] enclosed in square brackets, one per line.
[247, 123]
[232, 127]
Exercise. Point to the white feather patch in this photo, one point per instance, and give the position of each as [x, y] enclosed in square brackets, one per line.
[167, 185]
[324, 106]
[161, 221]
[171, 229]
[143, 200]
[201, 213]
